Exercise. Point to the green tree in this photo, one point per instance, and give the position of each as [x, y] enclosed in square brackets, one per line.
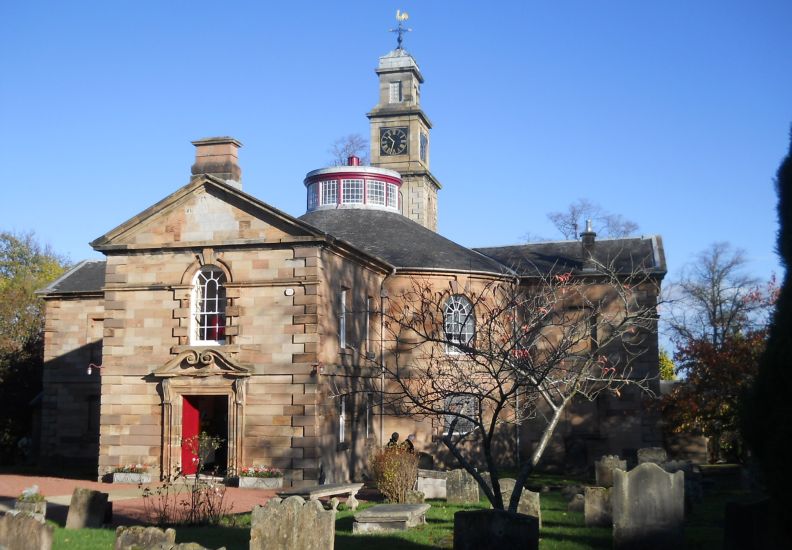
[768, 424]
[667, 367]
[25, 266]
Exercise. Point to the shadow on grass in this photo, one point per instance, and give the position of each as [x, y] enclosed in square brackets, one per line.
[366, 542]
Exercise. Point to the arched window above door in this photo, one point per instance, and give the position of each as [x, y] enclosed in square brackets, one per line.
[208, 307]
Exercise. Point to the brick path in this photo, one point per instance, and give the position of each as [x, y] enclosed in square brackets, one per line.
[126, 499]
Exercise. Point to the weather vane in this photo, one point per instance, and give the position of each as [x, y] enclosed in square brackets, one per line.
[401, 17]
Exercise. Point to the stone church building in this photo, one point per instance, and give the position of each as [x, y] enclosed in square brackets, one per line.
[215, 312]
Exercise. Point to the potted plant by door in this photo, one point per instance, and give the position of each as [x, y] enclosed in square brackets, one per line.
[131, 473]
[260, 477]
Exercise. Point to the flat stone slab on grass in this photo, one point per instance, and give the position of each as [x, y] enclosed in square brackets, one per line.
[390, 517]
[316, 492]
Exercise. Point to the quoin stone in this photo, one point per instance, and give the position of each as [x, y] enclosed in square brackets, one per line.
[87, 509]
[461, 488]
[603, 469]
[292, 524]
[648, 508]
[655, 455]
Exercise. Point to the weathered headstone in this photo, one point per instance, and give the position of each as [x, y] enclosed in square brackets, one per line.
[292, 524]
[597, 507]
[577, 504]
[656, 455]
[648, 508]
[87, 509]
[432, 483]
[461, 488]
[24, 532]
[414, 497]
[137, 537]
[529, 503]
[694, 486]
[570, 491]
[495, 530]
[603, 469]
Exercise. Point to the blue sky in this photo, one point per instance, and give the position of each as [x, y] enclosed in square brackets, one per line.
[675, 114]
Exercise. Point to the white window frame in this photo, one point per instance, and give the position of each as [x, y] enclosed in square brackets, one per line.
[352, 191]
[392, 196]
[329, 193]
[467, 405]
[459, 322]
[201, 285]
[375, 192]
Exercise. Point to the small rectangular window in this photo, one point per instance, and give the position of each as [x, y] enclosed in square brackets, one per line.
[342, 417]
[395, 92]
[376, 192]
[313, 196]
[369, 344]
[352, 191]
[329, 192]
[393, 195]
[342, 311]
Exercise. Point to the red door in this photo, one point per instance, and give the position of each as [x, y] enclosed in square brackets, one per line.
[190, 427]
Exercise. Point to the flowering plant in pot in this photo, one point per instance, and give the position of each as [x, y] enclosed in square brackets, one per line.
[260, 477]
[31, 501]
[131, 473]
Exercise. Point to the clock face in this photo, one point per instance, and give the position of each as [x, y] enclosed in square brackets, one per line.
[393, 141]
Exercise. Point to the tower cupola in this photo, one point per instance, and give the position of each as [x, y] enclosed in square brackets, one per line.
[353, 186]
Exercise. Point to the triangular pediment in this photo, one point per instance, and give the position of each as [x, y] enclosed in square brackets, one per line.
[206, 212]
[201, 362]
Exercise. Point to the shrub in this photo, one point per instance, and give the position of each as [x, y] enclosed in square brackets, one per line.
[395, 469]
[131, 469]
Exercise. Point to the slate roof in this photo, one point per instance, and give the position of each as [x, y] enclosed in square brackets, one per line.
[399, 241]
[87, 276]
[621, 255]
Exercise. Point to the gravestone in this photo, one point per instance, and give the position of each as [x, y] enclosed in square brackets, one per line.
[570, 491]
[648, 508]
[577, 504]
[390, 517]
[24, 532]
[656, 455]
[432, 483]
[603, 469]
[597, 507]
[414, 497]
[495, 530]
[137, 537]
[87, 509]
[461, 488]
[292, 524]
[529, 503]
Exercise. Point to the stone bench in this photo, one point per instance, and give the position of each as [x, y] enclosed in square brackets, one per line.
[390, 517]
[315, 492]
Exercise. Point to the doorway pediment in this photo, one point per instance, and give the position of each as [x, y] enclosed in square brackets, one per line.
[202, 362]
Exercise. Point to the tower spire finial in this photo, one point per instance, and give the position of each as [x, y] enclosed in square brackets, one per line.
[401, 17]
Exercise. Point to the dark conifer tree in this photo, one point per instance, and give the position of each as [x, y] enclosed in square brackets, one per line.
[768, 426]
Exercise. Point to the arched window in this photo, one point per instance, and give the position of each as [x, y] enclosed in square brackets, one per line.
[209, 306]
[459, 322]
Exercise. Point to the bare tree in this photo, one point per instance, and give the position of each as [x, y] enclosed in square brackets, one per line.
[572, 221]
[497, 355]
[715, 298]
[347, 146]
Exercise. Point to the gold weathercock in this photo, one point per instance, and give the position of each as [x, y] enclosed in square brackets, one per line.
[401, 17]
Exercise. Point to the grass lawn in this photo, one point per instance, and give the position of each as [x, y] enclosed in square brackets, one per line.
[561, 530]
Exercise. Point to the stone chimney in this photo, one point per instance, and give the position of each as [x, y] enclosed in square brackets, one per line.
[218, 157]
[587, 239]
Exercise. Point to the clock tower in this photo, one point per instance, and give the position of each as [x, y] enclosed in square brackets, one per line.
[400, 135]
